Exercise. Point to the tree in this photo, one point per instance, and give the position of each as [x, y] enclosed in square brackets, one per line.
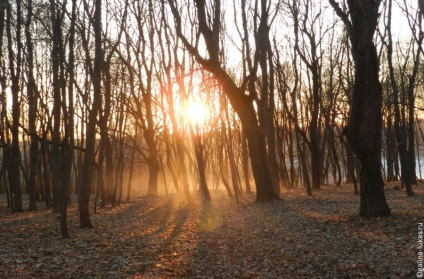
[404, 131]
[142, 83]
[364, 129]
[15, 63]
[201, 162]
[69, 119]
[313, 65]
[264, 57]
[32, 111]
[58, 82]
[285, 90]
[4, 131]
[242, 104]
[87, 165]
[108, 186]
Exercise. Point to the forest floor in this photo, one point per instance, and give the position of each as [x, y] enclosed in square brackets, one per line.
[297, 237]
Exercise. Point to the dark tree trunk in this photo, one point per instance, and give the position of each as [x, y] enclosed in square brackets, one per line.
[364, 132]
[407, 166]
[3, 109]
[105, 112]
[365, 122]
[32, 111]
[87, 165]
[411, 108]
[266, 106]
[47, 181]
[56, 135]
[350, 166]
[69, 113]
[391, 148]
[15, 68]
[257, 151]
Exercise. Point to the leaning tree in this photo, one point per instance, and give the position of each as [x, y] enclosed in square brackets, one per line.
[208, 25]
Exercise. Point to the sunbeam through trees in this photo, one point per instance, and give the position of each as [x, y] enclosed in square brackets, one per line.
[205, 112]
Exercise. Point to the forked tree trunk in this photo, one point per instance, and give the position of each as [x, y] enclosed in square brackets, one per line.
[242, 103]
[267, 105]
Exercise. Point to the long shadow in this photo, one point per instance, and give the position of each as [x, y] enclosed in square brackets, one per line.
[155, 225]
[288, 236]
[126, 241]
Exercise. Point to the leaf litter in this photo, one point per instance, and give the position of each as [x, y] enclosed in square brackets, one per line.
[296, 237]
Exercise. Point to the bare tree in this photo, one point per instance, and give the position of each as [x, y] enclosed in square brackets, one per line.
[87, 165]
[305, 24]
[4, 131]
[69, 140]
[15, 66]
[57, 81]
[243, 104]
[264, 57]
[405, 144]
[365, 121]
[32, 110]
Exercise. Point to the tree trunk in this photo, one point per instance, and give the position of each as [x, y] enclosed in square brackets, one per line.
[47, 181]
[266, 106]
[56, 135]
[245, 163]
[365, 121]
[391, 148]
[153, 166]
[407, 168]
[201, 165]
[3, 109]
[364, 132]
[69, 119]
[15, 68]
[87, 165]
[131, 168]
[32, 111]
[104, 132]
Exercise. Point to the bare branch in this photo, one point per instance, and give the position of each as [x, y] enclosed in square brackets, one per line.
[343, 16]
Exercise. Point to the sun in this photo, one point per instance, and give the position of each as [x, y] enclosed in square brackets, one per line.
[196, 113]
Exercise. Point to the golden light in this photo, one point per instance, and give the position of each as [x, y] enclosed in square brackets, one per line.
[196, 113]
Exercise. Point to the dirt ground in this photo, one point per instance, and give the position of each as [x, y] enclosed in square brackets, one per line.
[297, 237]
